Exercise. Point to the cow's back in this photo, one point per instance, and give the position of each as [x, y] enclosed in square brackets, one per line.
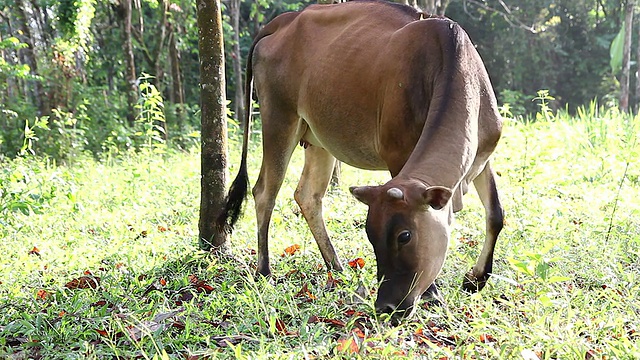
[359, 75]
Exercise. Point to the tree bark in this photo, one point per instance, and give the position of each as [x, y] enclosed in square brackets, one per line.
[29, 57]
[213, 120]
[626, 57]
[638, 73]
[237, 62]
[130, 73]
[177, 92]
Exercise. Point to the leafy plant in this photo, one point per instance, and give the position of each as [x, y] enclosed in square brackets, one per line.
[151, 115]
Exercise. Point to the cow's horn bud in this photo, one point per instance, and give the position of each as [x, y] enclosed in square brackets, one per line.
[395, 193]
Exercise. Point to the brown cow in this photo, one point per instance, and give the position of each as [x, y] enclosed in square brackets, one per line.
[376, 86]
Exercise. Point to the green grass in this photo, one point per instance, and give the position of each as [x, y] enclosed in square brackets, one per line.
[126, 229]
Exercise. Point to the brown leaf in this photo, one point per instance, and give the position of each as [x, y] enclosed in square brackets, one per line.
[200, 285]
[42, 294]
[348, 345]
[356, 263]
[486, 338]
[224, 341]
[102, 332]
[291, 250]
[305, 294]
[332, 322]
[282, 329]
[83, 282]
[332, 283]
[34, 251]
[99, 303]
[352, 312]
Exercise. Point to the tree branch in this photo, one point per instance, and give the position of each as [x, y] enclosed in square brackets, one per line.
[506, 14]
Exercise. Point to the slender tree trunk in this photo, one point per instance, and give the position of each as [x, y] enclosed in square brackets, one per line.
[237, 62]
[177, 92]
[638, 73]
[214, 127]
[626, 57]
[29, 56]
[130, 74]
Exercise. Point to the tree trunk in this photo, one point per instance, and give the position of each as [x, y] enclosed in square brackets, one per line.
[29, 57]
[237, 62]
[626, 57]
[213, 120]
[177, 93]
[130, 73]
[638, 73]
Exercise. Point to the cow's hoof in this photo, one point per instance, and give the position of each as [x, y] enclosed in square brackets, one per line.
[433, 297]
[473, 284]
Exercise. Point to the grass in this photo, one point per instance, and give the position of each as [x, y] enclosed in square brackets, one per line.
[99, 260]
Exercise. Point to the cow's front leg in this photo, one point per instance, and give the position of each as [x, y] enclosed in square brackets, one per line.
[485, 184]
[318, 167]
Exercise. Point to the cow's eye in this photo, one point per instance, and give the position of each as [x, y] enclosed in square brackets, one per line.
[404, 237]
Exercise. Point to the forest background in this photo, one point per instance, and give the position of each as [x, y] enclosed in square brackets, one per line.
[105, 77]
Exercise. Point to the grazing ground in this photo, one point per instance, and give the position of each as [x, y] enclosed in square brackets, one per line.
[99, 260]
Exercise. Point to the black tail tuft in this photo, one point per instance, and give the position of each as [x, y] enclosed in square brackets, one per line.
[233, 204]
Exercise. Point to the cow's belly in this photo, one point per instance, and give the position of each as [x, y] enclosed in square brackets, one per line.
[351, 146]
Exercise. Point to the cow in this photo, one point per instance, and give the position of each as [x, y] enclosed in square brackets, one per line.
[378, 86]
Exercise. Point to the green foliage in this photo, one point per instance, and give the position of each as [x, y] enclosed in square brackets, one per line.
[150, 115]
[67, 16]
[562, 46]
[616, 51]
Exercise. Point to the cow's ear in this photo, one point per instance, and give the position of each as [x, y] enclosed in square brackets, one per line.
[364, 194]
[436, 196]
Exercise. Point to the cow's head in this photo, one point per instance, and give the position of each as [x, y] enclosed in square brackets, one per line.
[408, 226]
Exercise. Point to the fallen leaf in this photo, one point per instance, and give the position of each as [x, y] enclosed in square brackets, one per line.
[83, 282]
[42, 294]
[136, 332]
[486, 338]
[332, 322]
[331, 283]
[356, 263]
[34, 251]
[102, 332]
[590, 354]
[291, 250]
[200, 285]
[224, 341]
[351, 312]
[348, 345]
[305, 293]
[99, 303]
[282, 329]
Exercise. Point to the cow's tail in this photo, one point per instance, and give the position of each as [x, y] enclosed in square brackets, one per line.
[232, 208]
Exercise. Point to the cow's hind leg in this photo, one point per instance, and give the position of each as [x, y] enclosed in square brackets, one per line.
[318, 167]
[485, 184]
[280, 135]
